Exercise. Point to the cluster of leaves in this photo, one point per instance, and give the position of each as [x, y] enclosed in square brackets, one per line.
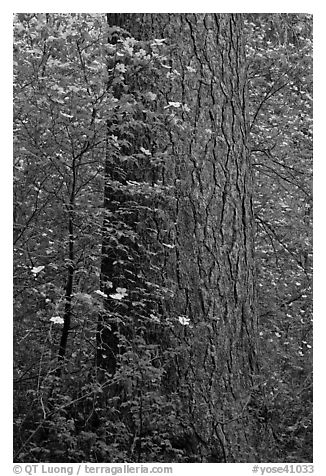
[87, 125]
[280, 71]
[82, 121]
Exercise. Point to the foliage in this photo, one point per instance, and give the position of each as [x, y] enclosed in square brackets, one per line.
[88, 120]
[280, 65]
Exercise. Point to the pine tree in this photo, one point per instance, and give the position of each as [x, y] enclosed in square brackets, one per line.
[207, 231]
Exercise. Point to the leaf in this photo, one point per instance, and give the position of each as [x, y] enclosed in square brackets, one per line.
[168, 246]
[173, 104]
[37, 269]
[158, 41]
[145, 151]
[122, 290]
[151, 96]
[154, 318]
[100, 293]
[84, 297]
[66, 115]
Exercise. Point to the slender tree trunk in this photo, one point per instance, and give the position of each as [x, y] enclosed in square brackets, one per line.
[68, 294]
[71, 268]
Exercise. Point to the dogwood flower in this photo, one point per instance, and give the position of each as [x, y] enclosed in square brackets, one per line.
[57, 320]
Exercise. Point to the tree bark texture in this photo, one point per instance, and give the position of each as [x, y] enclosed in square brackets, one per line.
[209, 227]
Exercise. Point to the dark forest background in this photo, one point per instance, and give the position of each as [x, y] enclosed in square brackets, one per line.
[162, 237]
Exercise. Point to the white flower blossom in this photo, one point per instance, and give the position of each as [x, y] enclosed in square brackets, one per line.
[184, 320]
[57, 320]
[120, 294]
[121, 67]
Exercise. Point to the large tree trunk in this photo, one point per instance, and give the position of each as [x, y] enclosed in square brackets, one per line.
[209, 263]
